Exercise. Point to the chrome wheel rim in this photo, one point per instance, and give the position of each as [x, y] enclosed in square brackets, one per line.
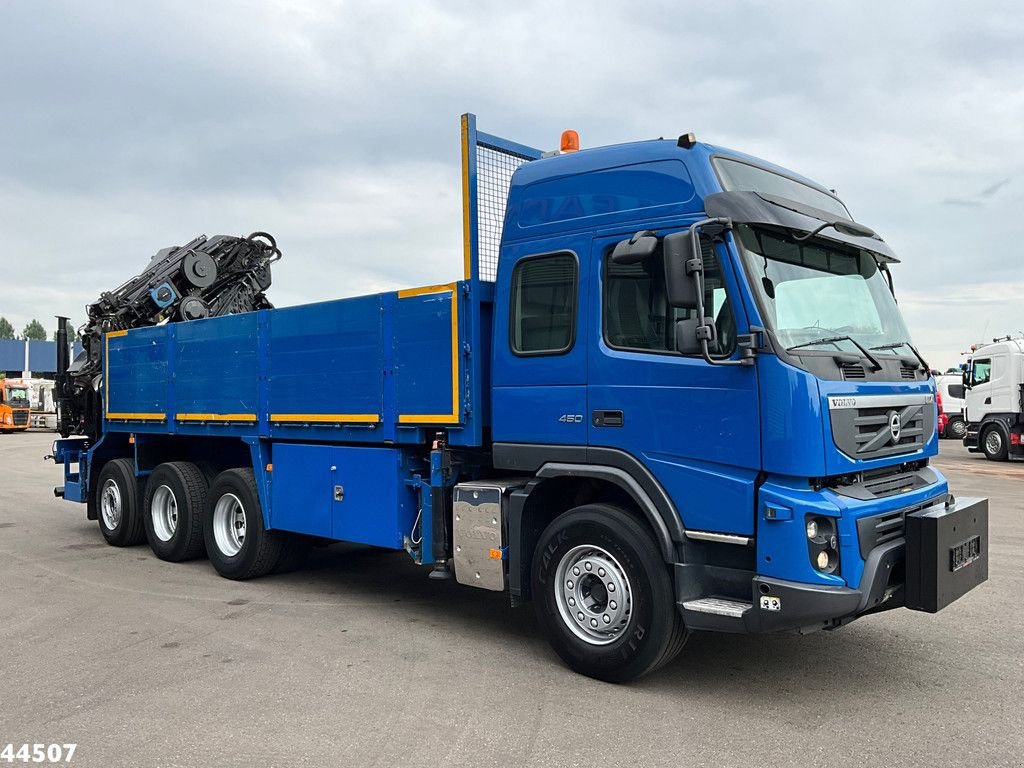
[958, 428]
[593, 594]
[163, 510]
[110, 505]
[993, 441]
[229, 524]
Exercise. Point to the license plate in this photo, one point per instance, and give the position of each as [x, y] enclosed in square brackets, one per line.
[964, 554]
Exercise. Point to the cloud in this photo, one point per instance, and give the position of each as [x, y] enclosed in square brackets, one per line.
[333, 125]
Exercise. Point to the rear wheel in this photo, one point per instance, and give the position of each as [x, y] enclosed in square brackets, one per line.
[119, 504]
[175, 498]
[956, 428]
[603, 595]
[993, 443]
[238, 544]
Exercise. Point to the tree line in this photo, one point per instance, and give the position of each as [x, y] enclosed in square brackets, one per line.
[34, 331]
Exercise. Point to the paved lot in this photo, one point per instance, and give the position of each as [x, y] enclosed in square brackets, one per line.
[360, 660]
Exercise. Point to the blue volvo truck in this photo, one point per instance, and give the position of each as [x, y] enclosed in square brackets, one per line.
[672, 392]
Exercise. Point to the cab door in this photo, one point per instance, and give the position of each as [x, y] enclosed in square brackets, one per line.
[539, 372]
[693, 425]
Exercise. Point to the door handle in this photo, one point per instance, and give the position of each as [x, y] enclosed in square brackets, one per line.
[607, 418]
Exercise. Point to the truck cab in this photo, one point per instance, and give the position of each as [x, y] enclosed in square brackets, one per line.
[14, 406]
[994, 400]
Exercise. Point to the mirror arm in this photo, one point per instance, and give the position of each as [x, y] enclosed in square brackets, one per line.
[695, 266]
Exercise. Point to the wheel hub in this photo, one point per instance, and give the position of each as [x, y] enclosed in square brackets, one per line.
[110, 505]
[593, 594]
[164, 513]
[229, 524]
[993, 441]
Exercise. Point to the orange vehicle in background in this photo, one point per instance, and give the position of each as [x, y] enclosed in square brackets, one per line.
[14, 406]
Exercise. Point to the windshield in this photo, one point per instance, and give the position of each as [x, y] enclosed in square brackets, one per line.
[17, 396]
[820, 289]
[737, 176]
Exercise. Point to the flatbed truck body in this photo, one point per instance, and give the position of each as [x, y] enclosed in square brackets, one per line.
[632, 379]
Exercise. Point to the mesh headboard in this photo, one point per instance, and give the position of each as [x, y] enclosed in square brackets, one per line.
[488, 163]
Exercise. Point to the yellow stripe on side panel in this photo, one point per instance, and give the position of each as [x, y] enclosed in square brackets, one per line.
[467, 267]
[327, 418]
[116, 334]
[440, 418]
[216, 417]
[138, 416]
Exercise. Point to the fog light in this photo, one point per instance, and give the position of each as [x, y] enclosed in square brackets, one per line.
[812, 529]
[822, 560]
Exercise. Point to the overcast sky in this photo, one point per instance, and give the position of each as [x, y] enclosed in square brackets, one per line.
[128, 127]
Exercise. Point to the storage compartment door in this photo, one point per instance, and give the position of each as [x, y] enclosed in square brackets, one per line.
[301, 489]
[372, 503]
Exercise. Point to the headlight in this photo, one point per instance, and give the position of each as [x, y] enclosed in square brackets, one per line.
[822, 543]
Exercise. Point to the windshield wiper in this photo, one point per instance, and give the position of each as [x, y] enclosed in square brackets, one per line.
[833, 340]
[908, 345]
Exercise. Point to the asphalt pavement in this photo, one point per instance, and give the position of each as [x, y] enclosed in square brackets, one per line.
[360, 660]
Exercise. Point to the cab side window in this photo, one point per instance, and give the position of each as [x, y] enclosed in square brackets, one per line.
[637, 315]
[543, 315]
[981, 372]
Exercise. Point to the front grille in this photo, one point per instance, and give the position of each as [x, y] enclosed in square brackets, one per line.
[20, 418]
[874, 437]
[878, 427]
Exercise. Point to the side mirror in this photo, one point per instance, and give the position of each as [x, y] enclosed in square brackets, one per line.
[967, 378]
[957, 391]
[681, 283]
[689, 333]
[639, 247]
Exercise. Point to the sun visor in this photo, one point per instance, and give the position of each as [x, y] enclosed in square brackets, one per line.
[771, 210]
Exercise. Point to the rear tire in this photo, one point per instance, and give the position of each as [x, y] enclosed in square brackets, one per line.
[993, 443]
[119, 504]
[175, 499]
[238, 544]
[587, 558]
[956, 428]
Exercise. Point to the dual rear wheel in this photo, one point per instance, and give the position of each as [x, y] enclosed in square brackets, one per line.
[183, 517]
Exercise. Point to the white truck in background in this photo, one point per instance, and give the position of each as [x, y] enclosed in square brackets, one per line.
[994, 400]
[950, 387]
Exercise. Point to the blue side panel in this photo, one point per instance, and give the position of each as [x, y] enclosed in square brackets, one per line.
[12, 355]
[327, 358]
[423, 354]
[42, 356]
[137, 371]
[216, 366]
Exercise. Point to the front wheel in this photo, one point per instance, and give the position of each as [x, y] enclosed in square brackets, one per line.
[956, 428]
[993, 443]
[603, 595]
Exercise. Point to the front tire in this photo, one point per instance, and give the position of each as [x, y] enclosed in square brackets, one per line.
[993, 443]
[175, 498]
[238, 544]
[956, 428]
[603, 595]
[119, 504]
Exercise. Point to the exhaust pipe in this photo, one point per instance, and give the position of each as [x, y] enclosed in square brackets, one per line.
[61, 380]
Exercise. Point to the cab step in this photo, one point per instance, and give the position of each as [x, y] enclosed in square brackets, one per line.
[718, 606]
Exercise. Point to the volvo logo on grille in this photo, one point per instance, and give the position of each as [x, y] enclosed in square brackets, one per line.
[895, 427]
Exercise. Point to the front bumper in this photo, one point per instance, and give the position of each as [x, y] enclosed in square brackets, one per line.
[942, 556]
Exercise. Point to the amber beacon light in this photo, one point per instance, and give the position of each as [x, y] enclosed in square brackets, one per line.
[570, 141]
